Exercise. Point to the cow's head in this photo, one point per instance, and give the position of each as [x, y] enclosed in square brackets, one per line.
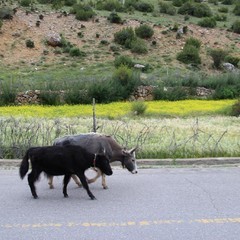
[129, 160]
[102, 162]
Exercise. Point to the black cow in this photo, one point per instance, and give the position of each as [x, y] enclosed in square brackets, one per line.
[93, 142]
[62, 160]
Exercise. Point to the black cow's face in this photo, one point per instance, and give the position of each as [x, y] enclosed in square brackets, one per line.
[129, 160]
[103, 164]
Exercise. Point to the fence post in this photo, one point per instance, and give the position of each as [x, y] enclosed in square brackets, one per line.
[94, 117]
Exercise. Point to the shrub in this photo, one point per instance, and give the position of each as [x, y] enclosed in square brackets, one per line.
[218, 56]
[143, 6]
[144, 31]
[195, 9]
[225, 92]
[49, 97]
[177, 3]
[70, 2]
[223, 9]
[123, 60]
[76, 96]
[124, 81]
[102, 91]
[25, 3]
[233, 60]
[170, 94]
[236, 109]
[167, 8]
[29, 43]
[138, 107]
[75, 52]
[228, 2]
[138, 46]
[125, 36]
[208, 22]
[220, 18]
[6, 13]
[236, 26]
[194, 42]
[236, 9]
[110, 5]
[82, 12]
[8, 94]
[114, 18]
[189, 55]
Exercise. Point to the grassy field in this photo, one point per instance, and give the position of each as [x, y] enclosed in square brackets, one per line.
[167, 130]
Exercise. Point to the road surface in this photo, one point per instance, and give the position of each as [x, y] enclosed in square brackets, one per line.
[162, 203]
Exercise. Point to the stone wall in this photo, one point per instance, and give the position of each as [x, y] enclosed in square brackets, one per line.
[143, 93]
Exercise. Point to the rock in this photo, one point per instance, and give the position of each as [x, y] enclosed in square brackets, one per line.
[54, 39]
[229, 67]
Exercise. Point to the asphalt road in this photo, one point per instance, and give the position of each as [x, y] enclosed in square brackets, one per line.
[163, 203]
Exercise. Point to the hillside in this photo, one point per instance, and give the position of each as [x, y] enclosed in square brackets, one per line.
[15, 32]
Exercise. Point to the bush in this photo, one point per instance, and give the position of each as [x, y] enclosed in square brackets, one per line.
[167, 8]
[70, 3]
[124, 81]
[220, 18]
[82, 12]
[102, 91]
[177, 3]
[144, 31]
[194, 42]
[138, 46]
[228, 2]
[170, 94]
[114, 18]
[236, 9]
[125, 36]
[233, 60]
[189, 55]
[76, 96]
[143, 6]
[109, 5]
[236, 26]
[208, 22]
[138, 107]
[223, 9]
[225, 92]
[29, 43]
[75, 52]
[236, 109]
[123, 60]
[195, 9]
[8, 94]
[49, 97]
[218, 55]
[25, 3]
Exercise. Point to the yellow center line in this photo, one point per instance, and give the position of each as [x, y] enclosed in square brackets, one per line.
[143, 223]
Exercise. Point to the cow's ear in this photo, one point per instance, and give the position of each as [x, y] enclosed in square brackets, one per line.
[102, 151]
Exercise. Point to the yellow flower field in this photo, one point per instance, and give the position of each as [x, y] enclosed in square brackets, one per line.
[120, 109]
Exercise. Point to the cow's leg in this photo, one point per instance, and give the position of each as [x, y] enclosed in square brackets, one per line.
[32, 178]
[66, 180]
[85, 184]
[104, 181]
[76, 180]
[99, 173]
[50, 182]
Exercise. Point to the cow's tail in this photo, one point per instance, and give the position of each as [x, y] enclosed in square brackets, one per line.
[24, 165]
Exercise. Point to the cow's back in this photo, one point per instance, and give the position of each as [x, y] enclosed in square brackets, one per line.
[92, 142]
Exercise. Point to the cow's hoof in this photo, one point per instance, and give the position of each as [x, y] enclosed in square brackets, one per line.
[65, 195]
[51, 187]
[35, 197]
[93, 198]
[105, 187]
